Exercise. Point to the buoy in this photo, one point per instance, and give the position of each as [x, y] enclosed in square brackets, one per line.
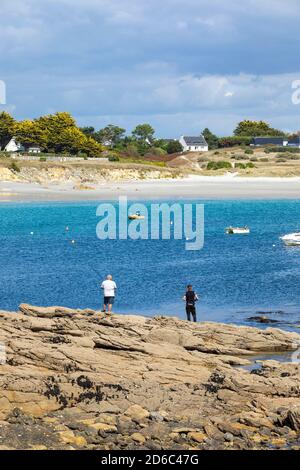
[31, 233]
[73, 242]
[67, 229]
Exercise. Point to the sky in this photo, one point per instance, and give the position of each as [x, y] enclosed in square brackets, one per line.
[181, 65]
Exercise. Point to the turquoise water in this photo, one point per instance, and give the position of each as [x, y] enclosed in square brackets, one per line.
[236, 276]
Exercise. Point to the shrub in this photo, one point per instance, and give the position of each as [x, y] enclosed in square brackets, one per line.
[254, 159]
[264, 160]
[249, 152]
[281, 160]
[113, 158]
[240, 157]
[174, 146]
[43, 159]
[218, 165]
[241, 166]
[14, 167]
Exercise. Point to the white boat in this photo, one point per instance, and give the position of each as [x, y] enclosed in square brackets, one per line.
[292, 239]
[136, 216]
[238, 230]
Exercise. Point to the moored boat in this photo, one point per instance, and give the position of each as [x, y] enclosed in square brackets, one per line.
[237, 230]
[292, 239]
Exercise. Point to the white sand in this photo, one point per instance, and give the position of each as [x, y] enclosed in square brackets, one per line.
[193, 187]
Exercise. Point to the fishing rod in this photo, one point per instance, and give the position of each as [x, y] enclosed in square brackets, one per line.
[74, 243]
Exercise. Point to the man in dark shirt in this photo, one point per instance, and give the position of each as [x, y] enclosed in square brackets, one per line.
[190, 299]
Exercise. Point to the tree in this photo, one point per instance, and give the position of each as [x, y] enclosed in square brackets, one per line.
[144, 132]
[174, 146]
[112, 134]
[7, 128]
[29, 133]
[256, 129]
[54, 125]
[88, 131]
[211, 139]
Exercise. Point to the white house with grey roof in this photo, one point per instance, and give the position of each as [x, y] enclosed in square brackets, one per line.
[194, 144]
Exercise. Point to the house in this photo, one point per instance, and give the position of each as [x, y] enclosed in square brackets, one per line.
[294, 142]
[35, 149]
[194, 144]
[275, 141]
[15, 146]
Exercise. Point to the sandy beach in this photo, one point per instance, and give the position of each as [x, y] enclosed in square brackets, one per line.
[193, 187]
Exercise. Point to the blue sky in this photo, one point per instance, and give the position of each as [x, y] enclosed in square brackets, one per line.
[181, 65]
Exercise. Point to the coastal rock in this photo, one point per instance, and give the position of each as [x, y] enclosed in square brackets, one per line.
[74, 379]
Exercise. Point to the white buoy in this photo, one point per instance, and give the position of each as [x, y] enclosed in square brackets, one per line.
[73, 242]
[31, 233]
[67, 229]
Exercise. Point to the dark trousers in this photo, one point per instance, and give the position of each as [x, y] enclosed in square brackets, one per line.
[191, 311]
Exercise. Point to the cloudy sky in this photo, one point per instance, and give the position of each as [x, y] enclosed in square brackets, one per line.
[181, 65]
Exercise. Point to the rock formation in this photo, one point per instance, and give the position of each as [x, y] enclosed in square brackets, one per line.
[75, 379]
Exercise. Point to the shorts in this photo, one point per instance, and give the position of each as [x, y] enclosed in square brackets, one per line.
[109, 300]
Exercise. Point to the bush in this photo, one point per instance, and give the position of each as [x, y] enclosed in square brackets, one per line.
[174, 147]
[282, 150]
[241, 166]
[113, 158]
[219, 165]
[281, 160]
[43, 159]
[254, 159]
[155, 151]
[240, 157]
[244, 166]
[264, 160]
[249, 152]
[14, 167]
[217, 152]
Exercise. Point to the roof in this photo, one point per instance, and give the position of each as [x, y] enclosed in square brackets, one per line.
[268, 140]
[295, 140]
[198, 140]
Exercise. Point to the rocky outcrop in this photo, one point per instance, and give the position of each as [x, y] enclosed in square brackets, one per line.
[74, 379]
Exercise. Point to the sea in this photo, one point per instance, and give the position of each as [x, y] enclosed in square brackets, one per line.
[50, 255]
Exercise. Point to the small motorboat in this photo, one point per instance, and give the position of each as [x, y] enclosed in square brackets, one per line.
[136, 216]
[292, 239]
[237, 230]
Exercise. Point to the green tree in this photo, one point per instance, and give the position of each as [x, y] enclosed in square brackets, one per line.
[174, 146]
[88, 131]
[29, 133]
[110, 133]
[256, 129]
[211, 139]
[144, 132]
[7, 128]
[54, 125]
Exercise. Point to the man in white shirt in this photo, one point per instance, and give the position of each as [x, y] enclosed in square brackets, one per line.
[109, 287]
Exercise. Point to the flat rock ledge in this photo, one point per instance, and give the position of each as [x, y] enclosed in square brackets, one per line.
[75, 379]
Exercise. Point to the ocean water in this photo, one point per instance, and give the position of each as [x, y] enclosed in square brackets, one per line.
[236, 276]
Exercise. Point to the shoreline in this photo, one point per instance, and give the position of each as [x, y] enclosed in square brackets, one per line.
[193, 187]
[121, 383]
